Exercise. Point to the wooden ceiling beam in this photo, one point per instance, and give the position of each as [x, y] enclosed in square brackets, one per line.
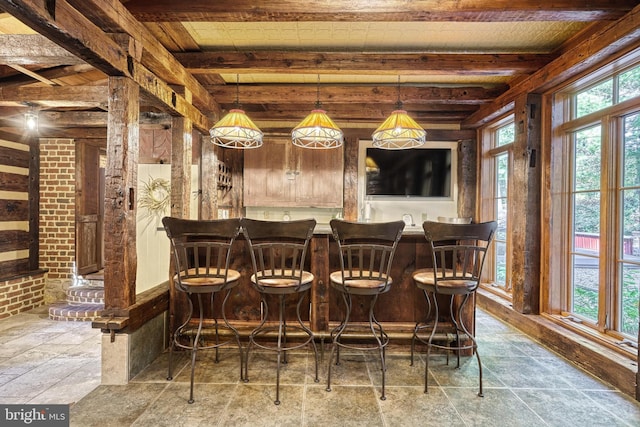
[286, 94]
[32, 74]
[605, 43]
[378, 10]
[48, 73]
[390, 63]
[81, 94]
[33, 49]
[92, 119]
[343, 117]
[173, 36]
[70, 29]
[112, 16]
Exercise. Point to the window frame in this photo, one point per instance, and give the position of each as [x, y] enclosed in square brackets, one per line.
[557, 296]
[489, 153]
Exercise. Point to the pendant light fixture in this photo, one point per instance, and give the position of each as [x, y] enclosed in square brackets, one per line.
[236, 130]
[317, 130]
[399, 131]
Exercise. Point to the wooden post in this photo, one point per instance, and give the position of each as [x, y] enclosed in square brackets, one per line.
[467, 177]
[34, 202]
[181, 155]
[524, 210]
[350, 202]
[181, 159]
[208, 180]
[320, 290]
[120, 193]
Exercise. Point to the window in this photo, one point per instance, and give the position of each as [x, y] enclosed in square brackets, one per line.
[595, 219]
[585, 220]
[497, 146]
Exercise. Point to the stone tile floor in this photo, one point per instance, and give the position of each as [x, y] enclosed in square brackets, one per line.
[46, 361]
[43, 361]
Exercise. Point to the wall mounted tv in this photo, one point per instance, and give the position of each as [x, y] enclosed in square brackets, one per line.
[416, 172]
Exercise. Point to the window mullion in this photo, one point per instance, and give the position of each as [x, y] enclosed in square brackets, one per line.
[608, 220]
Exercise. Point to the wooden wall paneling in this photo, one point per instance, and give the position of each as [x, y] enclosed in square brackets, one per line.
[9, 268]
[26, 184]
[14, 181]
[14, 210]
[14, 240]
[120, 186]
[13, 157]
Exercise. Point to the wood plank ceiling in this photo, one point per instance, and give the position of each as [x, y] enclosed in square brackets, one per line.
[445, 60]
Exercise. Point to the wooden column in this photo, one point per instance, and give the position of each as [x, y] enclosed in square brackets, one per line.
[467, 177]
[524, 209]
[34, 203]
[208, 180]
[350, 202]
[120, 193]
[319, 247]
[234, 196]
[181, 158]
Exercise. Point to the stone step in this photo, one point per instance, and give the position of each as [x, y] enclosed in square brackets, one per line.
[75, 312]
[84, 303]
[85, 295]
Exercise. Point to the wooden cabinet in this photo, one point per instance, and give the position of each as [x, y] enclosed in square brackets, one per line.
[280, 174]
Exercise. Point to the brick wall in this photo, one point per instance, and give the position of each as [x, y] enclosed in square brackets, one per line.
[21, 294]
[57, 215]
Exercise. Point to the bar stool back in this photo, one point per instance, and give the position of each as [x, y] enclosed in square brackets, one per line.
[278, 253]
[201, 254]
[458, 254]
[366, 254]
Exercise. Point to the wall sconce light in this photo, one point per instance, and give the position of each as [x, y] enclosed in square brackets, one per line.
[31, 121]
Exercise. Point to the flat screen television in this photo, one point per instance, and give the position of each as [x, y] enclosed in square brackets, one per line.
[416, 172]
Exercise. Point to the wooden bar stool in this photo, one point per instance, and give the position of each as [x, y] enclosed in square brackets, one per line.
[457, 253]
[366, 255]
[278, 252]
[201, 254]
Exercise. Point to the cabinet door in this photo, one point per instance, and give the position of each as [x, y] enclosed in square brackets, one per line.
[280, 174]
[266, 180]
[319, 182]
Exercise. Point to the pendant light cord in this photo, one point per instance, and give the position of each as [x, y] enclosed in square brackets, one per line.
[398, 102]
[238, 91]
[318, 103]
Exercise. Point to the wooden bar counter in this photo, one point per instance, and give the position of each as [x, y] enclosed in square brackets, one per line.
[398, 310]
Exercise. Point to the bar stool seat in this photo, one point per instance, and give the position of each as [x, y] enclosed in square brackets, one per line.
[366, 282]
[277, 279]
[425, 279]
[205, 284]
